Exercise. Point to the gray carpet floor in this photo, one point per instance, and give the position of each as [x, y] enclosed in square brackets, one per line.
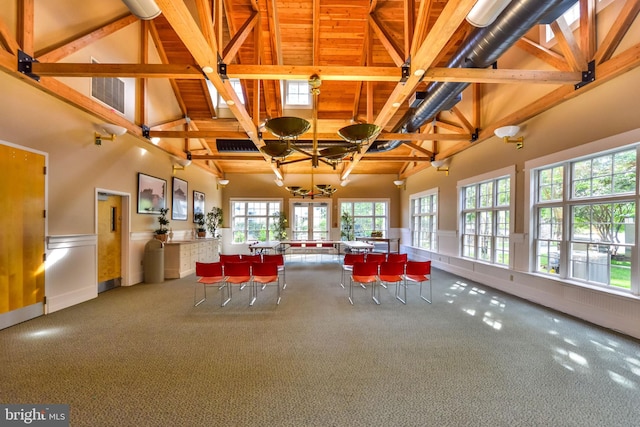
[144, 356]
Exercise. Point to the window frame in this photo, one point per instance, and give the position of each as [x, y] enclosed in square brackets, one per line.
[417, 220]
[580, 252]
[495, 241]
[269, 216]
[547, 37]
[287, 89]
[387, 218]
[615, 143]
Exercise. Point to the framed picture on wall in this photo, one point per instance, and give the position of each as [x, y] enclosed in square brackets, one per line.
[179, 199]
[198, 203]
[152, 194]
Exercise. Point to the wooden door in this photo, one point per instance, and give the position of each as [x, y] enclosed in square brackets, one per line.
[22, 228]
[109, 241]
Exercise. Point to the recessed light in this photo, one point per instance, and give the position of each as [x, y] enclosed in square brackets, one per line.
[419, 72]
[230, 102]
[207, 69]
[395, 104]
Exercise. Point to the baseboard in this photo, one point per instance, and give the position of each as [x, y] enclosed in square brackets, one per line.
[68, 299]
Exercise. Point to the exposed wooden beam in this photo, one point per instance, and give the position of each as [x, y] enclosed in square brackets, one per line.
[227, 157]
[169, 125]
[163, 57]
[8, 61]
[387, 41]
[612, 40]
[302, 72]
[384, 136]
[620, 64]
[421, 27]
[588, 28]
[409, 25]
[454, 12]
[7, 39]
[390, 74]
[25, 26]
[141, 87]
[282, 72]
[205, 17]
[552, 58]
[568, 45]
[167, 71]
[418, 148]
[180, 18]
[395, 158]
[61, 50]
[231, 49]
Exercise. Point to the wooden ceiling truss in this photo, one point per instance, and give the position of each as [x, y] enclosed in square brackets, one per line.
[357, 48]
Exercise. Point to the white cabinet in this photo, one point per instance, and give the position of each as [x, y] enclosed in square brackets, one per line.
[180, 257]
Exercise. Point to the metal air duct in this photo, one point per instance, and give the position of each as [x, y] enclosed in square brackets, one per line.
[481, 49]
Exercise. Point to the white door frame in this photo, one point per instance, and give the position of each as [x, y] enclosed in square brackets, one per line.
[125, 231]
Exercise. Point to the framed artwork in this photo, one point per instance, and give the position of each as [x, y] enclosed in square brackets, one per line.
[198, 203]
[152, 194]
[179, 199]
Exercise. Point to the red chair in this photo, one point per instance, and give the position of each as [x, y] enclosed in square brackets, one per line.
[365, 273]
[419, 272]
[229, 258]
[238, 273]
[265, 273]
[252, 259]
[377, 259]
[347, 264]
[279, 260]
[209, 273]
[397, 258]
[393, 272]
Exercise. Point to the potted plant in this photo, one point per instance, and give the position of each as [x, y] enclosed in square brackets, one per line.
[161, 232]
[214, 221]
[347, 231]
[199, 219]
[279, 226]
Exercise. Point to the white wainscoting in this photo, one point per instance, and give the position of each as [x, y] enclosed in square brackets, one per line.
[619, 312]
[71, 275]
[138, 241]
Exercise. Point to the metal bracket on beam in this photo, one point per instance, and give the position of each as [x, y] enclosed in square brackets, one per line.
[587, 76]
[24, 65]
[474, 135]
[222, 70]
[145, 131]
[406, 70]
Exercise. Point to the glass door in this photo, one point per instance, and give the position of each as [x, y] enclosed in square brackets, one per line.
[311, 220]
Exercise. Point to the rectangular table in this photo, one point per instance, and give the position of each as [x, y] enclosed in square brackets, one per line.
[356, 246]
[387, 240]
[264, 247]
[310, 246]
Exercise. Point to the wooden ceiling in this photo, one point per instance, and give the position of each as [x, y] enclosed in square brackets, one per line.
[357, 48]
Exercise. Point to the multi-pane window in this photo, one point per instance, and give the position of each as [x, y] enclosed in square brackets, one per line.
[486, 220]
[252, 220]
[367, 216]
[585, 218]
[571, 18]
[424, 218]
[298, 93]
